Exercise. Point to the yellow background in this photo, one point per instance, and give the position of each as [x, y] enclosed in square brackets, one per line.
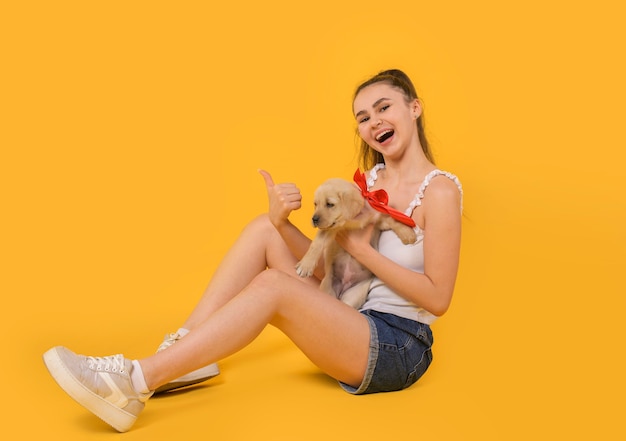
[130, 137]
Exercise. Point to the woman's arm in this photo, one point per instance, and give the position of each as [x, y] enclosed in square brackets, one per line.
[283, 199]
[442, 240]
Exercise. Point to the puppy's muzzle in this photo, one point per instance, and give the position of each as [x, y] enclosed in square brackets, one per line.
[316, 220]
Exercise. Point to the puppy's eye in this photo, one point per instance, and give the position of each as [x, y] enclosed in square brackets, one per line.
[329, 205]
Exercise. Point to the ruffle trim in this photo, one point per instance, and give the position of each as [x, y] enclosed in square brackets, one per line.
[417, 201]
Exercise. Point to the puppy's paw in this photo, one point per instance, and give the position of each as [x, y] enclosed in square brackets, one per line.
[407, 235]
[305, 268]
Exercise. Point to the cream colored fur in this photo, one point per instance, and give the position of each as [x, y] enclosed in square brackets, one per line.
[339, 205]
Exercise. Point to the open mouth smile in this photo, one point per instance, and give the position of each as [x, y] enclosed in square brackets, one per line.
[384, 135]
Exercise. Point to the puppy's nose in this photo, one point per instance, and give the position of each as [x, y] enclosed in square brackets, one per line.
[316, 220]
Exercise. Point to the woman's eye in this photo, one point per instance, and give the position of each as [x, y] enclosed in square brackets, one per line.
[385, 107]
[364, 119]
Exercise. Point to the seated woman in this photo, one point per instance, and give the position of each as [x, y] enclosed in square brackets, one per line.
[384, 346]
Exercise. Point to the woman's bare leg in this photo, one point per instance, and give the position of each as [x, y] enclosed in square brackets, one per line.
[258, 247]
[333, 335]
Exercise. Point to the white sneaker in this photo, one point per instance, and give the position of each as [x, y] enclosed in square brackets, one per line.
[100, 384]
[197, 376]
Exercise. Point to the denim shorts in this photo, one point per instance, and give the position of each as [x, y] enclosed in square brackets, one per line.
[400, 353]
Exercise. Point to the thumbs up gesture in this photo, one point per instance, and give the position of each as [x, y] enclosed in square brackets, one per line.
[283, 199]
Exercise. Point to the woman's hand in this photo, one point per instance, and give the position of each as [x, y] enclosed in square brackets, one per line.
[283, 199]
[355, 242]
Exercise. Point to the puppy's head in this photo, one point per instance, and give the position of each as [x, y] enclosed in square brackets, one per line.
[336, 201]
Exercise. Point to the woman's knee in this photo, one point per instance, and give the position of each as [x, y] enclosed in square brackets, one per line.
[270, 280]
[273, 285]
[259, 230]
[261, 225]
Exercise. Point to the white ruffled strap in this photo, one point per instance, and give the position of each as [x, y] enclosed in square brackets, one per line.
[374, 175]
[417, 201]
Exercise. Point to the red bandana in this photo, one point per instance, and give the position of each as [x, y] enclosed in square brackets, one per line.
[378, 200]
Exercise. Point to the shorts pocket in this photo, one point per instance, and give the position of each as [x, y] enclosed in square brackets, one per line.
[418, 358]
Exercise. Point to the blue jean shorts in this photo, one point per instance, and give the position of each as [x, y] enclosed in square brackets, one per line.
[400, 353]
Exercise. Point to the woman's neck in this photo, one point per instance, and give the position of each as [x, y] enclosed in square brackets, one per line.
[407, 170]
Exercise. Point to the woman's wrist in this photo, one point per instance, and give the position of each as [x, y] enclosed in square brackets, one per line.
[282, 225]
[363, 252]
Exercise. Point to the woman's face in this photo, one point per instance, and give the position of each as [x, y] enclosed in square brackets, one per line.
[386, 122]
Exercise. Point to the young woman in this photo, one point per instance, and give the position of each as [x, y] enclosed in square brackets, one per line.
[256, 283]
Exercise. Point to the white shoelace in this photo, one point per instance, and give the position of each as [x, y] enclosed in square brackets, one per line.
[112, 363]
[170, 339]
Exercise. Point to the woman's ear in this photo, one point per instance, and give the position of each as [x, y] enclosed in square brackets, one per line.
[353, 202]
[416, 108]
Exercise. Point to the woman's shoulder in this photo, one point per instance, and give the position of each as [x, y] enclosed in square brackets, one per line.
[443, 186]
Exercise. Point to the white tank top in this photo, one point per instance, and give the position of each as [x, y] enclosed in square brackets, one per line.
[381, 297]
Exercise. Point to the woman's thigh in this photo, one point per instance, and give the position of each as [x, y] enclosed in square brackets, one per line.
[333, 335]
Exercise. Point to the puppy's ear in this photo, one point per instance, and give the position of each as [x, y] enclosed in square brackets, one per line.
[352, 202]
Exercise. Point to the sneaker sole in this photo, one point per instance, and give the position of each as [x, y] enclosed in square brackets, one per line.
[172, 385]
[118, 418]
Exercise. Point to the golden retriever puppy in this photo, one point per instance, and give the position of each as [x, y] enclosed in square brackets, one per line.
[339, 205]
